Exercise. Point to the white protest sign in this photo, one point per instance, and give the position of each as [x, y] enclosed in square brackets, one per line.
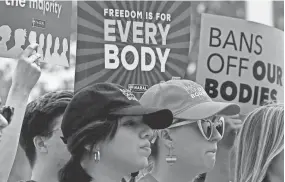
[240, 61]
[47, 23]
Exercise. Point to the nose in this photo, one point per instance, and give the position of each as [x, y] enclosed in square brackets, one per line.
[146, 132]
[216, 137]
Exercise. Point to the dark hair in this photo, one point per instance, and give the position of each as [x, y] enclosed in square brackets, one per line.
[200, 177]
[154, 150]
[133, 176]
[89, 134]
[39, 119]
[155, 146]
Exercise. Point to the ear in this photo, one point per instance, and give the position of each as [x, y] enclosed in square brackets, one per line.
[168, 143]
[166, 138]
[40, 145]
[88, 148]
[91, 148]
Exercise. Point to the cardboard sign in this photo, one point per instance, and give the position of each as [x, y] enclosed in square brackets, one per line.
[132, 43]
[47, 23]
[241, 61]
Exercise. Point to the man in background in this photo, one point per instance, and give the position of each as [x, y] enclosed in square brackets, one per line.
[40, 135]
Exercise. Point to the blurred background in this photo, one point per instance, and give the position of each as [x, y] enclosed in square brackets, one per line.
[57, 77]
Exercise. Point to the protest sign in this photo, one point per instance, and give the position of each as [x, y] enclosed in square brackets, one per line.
[132, 43]
[241, 61]
[47, 23]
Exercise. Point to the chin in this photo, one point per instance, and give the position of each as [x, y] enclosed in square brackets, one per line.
[209, 165]
[141, 164]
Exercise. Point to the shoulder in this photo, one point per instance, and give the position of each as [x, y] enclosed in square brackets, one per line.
[147, 178]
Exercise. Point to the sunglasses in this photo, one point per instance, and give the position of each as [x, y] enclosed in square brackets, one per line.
[206, 126]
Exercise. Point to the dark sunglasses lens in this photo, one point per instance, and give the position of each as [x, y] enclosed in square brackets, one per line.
[206, 126]
[220, 125]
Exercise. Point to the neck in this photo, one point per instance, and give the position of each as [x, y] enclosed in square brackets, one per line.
[45, 172]
[163, 172]
[103, 173]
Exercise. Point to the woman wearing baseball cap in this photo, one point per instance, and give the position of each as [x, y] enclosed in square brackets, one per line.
[188, 147]
[107, 133]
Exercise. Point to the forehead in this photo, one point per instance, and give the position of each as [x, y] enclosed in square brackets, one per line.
[57, 121]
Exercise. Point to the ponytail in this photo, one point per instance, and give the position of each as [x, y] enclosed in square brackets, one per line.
[73, 172]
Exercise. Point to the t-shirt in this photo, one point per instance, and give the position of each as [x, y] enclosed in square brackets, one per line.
[150, 178]
[200, 178]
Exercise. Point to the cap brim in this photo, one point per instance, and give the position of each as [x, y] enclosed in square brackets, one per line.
[155, 118]
[208, 109]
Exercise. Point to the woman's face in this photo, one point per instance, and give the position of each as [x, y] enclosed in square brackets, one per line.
[130, 147]
[192, 149]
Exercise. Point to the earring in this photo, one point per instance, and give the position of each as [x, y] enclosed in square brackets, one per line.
[97, 156]
[170, 158]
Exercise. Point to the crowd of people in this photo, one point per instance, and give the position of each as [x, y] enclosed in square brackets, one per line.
[103, 133]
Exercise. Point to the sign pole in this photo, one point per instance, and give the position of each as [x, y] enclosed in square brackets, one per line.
[263, 14]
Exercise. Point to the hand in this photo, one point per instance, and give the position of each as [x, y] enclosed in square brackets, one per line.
[3, 121]
[3, 124]
[232, 127]
[27, 71]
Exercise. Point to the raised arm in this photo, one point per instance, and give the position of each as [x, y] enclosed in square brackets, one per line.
[26, 75]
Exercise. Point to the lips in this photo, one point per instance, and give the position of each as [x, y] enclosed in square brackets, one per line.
[146, 148]
[146, 145]
[212, 151]
[146, 151]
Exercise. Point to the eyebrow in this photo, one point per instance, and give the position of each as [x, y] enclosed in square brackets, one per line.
[54, 130]
[133, 120]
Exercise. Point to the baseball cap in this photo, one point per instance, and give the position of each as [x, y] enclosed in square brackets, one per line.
[187, 100]
[103, 99]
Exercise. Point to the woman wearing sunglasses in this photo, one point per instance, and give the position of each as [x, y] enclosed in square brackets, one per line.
[188, 147]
